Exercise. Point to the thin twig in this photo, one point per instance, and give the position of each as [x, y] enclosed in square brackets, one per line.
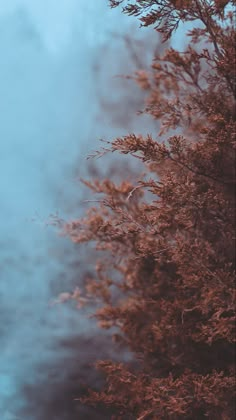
[132, 191]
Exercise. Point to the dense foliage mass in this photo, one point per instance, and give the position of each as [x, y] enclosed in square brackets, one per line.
[166, 281]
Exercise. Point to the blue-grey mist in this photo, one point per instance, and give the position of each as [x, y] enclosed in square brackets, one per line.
[48, 108]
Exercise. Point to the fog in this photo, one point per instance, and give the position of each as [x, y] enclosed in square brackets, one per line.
[47, 108]
[48, 123]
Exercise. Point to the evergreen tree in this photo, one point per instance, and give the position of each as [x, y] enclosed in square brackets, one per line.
[166, 281]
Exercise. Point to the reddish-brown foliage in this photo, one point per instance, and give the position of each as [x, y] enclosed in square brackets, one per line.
[166, 282]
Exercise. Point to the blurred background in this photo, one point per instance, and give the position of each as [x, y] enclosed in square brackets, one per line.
[58, 96]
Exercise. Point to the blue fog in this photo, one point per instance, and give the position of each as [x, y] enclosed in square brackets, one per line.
[48, 105]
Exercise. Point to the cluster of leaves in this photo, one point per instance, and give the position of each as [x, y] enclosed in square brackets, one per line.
[166, 282]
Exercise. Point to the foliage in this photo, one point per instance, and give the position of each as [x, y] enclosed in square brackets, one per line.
[166, 282]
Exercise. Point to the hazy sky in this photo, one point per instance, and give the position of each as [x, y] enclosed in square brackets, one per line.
[56, 20]
[47, 108]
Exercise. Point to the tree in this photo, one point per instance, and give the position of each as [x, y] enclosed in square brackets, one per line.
[166, 281]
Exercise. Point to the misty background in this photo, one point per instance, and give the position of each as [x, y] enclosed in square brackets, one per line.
[52, 85]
